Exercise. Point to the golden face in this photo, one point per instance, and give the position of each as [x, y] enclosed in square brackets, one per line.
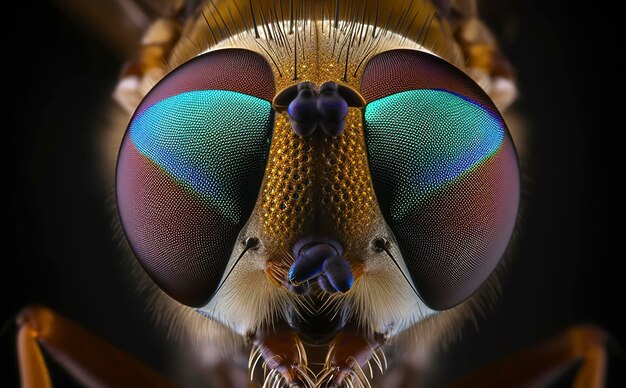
[407, 198]
[316, 183]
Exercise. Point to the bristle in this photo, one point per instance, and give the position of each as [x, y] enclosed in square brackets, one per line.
[229, 33]
[309, 21]
[408, 27]
[220, 31]
[376, 18]
[402, 18]
[323, 15]
[427, 30]
[345, 71]
[361, 377]
[295, 53]
[265, 26]
[348, 16]
[209, 27]
[421, 30]
[242, 17]
[278, 27]
[291, 21]
[282, 16]
[362, 26]
[301, 35]
[271, 58]
[254, 23]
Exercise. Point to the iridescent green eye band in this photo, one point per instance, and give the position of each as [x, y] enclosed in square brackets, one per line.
[212, 141]
[422, 140]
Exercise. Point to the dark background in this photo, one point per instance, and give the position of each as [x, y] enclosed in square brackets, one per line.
[58, 248]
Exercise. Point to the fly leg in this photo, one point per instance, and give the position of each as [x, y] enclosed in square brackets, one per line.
[542, 363]
[88, 359]
[150, 63]
[484, 61]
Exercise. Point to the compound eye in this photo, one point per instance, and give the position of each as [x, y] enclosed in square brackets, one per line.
[444, 169]
[190, 169]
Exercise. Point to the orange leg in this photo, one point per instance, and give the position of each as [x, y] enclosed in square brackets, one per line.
[87, 358]
[540, 363]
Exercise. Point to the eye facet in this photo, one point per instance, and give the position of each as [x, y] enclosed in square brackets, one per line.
[444, 169]
[190, 168]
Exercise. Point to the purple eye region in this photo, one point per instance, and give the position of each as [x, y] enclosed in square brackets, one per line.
[444, 170]
[167, 227]
[397, 71]
[190, 168]
[455, 239]
[235, 70]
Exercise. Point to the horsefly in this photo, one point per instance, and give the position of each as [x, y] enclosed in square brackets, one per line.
[317, 192]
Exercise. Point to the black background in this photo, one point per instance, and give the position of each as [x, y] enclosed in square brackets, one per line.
[58, 248]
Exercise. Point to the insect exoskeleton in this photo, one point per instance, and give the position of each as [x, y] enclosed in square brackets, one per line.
[320, 179]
